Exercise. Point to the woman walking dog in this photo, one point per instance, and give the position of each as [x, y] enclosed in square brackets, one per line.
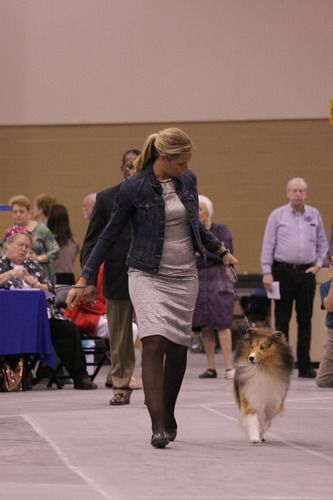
[162, 203]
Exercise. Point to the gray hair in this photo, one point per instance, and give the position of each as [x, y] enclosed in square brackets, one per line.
[208, 204]
[10, 237]
[296, 179]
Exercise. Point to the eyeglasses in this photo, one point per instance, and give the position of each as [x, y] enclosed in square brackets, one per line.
[130, 166]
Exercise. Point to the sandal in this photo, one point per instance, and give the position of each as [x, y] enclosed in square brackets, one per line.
[120, 398]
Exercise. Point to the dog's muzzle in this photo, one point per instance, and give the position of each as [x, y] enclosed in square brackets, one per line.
[252, 358]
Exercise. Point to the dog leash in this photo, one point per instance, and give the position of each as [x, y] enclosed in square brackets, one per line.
[233, 278]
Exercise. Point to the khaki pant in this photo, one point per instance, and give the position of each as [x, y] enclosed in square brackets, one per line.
[119, 313]
[325, 373]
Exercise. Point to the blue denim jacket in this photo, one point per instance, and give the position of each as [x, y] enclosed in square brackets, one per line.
[140, 201]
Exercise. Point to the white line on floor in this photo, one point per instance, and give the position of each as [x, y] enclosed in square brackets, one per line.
[287, 443]
[60, 453]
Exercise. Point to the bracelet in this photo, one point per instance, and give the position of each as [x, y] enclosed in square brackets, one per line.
[79, 286]
[224, 253]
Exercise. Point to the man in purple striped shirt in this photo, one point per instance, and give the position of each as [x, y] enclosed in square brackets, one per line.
[294, 249]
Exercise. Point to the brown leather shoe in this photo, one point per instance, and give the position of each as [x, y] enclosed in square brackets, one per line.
[120, 398]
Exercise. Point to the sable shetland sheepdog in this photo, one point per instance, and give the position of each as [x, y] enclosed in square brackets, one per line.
[264, 364]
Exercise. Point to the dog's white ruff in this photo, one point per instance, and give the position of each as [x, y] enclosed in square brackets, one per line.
[265, 393]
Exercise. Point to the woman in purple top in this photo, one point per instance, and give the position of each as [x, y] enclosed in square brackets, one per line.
[214, 306]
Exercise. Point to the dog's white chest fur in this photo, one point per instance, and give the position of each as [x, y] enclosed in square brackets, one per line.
[264, 392]
[261, 398]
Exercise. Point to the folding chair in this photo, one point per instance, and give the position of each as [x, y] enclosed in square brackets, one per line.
[97, 352]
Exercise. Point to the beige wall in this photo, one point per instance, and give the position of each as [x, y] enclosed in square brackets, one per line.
[140, 61]
[242, 166]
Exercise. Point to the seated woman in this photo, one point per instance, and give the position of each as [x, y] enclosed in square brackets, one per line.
[18, 271]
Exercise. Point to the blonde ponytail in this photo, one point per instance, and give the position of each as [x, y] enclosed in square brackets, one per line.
[171, 142]
[148, 155]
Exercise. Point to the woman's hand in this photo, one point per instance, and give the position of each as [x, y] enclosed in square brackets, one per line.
[31, 281]
[19, 273]
[229, 259]
[75, 292]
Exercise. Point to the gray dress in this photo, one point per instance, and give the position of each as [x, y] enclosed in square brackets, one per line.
[164, 302]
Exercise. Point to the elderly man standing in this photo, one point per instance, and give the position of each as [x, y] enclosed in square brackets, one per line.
[294, 248]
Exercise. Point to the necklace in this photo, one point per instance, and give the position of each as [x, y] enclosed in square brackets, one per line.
[166, 180]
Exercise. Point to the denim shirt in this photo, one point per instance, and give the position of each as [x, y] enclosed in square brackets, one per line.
[140, 201]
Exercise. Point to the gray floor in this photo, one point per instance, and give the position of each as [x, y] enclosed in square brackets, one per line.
[67, 444]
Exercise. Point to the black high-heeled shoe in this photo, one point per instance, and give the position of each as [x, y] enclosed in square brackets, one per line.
[159, 439]
[171, 433]
[171, 427]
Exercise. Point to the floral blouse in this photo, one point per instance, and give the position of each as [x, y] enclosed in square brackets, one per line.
[38, 272]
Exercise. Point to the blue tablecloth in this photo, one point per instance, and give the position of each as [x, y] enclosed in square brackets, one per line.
[24, 325]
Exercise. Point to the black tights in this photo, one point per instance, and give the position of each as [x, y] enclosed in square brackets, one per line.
[163, 369]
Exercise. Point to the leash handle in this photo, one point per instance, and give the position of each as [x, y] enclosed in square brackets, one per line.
[233, 277]
[230, 270]
[231, 273]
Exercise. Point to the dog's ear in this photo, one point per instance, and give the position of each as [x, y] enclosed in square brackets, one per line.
[279, 335]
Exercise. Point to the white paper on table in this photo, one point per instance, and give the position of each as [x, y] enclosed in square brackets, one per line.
[275, 293]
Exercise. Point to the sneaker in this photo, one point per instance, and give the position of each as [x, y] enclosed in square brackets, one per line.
[229, 374]
[120, 398]
[210, 373]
